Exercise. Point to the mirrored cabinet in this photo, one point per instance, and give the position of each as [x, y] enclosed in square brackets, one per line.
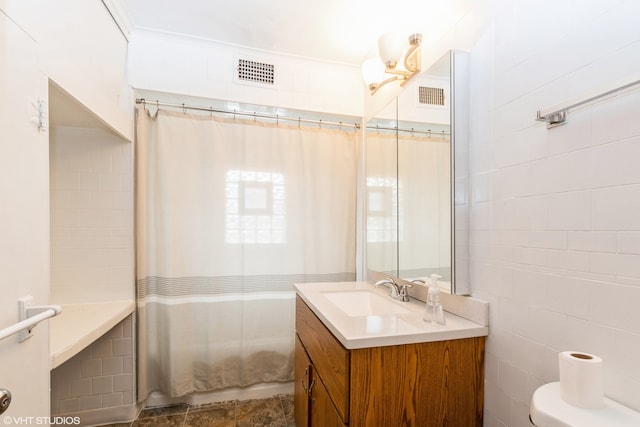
[416, 179]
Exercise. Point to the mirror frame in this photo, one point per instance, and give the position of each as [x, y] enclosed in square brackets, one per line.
[460, 280]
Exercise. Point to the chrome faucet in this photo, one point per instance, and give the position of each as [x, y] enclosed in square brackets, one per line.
[396, 291]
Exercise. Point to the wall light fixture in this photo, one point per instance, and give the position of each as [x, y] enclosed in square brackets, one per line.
[377, 72]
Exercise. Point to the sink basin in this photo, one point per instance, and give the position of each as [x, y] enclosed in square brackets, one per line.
[364, 303]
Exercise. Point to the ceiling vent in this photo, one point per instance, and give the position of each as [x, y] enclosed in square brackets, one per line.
[430, 95]
[255, 72]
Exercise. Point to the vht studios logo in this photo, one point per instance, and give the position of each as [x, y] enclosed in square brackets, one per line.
[53, 421]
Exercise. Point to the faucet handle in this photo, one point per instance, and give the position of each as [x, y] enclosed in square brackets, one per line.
[403, 294]
[391, 284]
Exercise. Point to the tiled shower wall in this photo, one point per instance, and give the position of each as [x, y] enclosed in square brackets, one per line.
[556, 212]
[92, 261]
[91, 216]
[101, 376]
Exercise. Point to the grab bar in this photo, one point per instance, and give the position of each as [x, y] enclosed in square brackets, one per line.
[31, 315]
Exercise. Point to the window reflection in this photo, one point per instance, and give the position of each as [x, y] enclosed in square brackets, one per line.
[255, 207]
[382, 209]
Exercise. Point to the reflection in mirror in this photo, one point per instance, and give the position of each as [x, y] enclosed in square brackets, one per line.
[410, 148]
[424, 176]
[382, 201]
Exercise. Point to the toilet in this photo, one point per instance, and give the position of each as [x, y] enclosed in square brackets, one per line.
[547, 409]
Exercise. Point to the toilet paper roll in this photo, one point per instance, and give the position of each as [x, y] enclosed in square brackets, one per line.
[581, 382]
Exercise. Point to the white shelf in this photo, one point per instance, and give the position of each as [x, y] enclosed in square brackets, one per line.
[81, 324]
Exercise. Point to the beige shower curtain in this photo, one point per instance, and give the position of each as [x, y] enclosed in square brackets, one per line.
[230, 213]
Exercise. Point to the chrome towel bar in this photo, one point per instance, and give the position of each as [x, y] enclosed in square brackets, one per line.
[558, 115]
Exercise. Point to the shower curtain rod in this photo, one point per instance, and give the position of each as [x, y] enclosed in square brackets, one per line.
[276, 117]
[429, 133]
[242, 113]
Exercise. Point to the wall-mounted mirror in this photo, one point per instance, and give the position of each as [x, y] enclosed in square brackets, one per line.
[416, 175]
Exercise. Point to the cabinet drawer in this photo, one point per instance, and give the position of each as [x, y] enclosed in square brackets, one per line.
[329, 357]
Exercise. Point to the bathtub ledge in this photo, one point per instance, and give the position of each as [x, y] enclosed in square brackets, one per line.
[81, 324]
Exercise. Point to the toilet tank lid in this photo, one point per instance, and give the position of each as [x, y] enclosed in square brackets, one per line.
[549, 410]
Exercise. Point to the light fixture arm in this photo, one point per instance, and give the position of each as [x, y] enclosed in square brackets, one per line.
[412, 58]
[411, 63]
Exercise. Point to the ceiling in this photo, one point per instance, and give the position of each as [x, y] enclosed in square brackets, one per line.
[343, 31]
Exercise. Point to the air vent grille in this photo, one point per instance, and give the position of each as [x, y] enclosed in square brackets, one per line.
[257, 72]
[430, 95]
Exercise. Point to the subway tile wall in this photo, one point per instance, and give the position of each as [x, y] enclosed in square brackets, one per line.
[91, 179]
[101, 376]
[555, 213]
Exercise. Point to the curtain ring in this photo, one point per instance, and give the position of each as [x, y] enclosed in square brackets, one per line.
[340, 126]
[184, 110]
[320, 124]
[254, 117]
[234, 114]
[277, 123]
[298, 121]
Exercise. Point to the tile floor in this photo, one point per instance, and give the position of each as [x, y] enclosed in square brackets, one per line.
[276, 411]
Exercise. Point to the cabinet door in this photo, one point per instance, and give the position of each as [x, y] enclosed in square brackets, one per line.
[323, 413]
[301, 387]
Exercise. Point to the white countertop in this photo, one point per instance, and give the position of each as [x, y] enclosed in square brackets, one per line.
[78, 325]
[381, 330]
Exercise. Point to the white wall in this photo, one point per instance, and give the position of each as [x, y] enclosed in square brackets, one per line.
[556, 213]
[76, 44]
[189, 66]
[24, 220]
[82, 50]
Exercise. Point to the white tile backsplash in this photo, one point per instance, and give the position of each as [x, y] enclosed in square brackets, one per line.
[628, 242]
[92, 216]
[556, 218]
[570, 211]
[592, 241]
[616, 208]
[101, 376]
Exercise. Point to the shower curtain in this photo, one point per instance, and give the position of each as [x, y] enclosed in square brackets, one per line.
[230, 214]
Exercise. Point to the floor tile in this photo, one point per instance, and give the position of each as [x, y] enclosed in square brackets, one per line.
[175, 420]
[276, 411]
[287, 407]
[215, 415]
[180, 408]
[260, 413]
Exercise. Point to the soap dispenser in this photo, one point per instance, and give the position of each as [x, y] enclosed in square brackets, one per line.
[434, 312]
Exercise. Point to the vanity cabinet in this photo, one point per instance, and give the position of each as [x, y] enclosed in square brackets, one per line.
[423, 384]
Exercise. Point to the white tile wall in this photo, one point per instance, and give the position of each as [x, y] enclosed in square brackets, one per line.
[101, 376]
[556, 212]
[91, 216]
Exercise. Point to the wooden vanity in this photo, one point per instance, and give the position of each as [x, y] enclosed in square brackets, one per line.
[436, 383]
